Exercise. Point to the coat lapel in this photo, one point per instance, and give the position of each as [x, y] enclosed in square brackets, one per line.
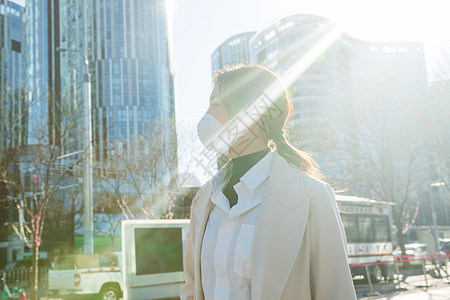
[201, 214]
[279, 230]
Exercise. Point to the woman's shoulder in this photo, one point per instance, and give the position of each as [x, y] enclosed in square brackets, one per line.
[314, 186]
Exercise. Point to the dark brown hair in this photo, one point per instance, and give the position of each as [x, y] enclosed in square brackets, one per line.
[240, 84]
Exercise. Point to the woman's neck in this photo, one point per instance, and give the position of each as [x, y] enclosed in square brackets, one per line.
[243, 163]
[255, 146]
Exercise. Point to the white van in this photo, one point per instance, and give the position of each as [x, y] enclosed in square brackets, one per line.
[87, 274]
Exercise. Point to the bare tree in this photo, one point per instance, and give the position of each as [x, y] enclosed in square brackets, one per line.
[36, 175]
[140, 179]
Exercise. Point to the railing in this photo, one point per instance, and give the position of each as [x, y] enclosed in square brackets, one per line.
[407, 259]
[24, 277]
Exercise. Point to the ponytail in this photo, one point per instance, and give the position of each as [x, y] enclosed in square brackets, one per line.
[298, 158]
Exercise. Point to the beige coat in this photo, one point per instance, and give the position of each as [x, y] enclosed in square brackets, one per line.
[299, 248]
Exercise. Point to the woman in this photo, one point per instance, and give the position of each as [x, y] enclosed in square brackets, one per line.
[266, 226]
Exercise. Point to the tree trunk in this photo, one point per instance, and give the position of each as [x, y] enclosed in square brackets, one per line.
[400, 236]
[35, 273]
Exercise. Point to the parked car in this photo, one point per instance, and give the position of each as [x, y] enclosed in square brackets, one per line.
[87, 274]
[445, 245]
[415, 249]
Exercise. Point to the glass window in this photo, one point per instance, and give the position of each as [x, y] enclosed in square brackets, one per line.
[365, 229]
[351, 229]
[381, 227]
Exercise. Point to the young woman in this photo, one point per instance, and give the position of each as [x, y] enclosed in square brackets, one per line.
[266, 226]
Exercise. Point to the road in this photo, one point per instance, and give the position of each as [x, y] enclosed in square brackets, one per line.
[412, 288]
[438, 293]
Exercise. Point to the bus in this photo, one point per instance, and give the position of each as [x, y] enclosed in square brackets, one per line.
[368, 228]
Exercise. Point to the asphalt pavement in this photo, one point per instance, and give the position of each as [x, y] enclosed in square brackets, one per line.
[433, 293]
[414, 287]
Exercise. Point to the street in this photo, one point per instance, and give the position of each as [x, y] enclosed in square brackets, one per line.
[414, 287]
[437, 293]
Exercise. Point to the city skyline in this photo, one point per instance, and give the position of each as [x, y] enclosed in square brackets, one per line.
[197, 34]
[192, 59]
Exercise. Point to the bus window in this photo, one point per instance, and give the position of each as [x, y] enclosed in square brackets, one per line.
[350, 227]
[381, 227]
[365, 229]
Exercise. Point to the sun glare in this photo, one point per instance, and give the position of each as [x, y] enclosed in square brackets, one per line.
[393, 20]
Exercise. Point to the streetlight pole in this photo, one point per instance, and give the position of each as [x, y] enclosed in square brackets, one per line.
[87, 173]
[433, 215]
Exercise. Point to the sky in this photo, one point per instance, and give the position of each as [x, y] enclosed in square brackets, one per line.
[200, 26]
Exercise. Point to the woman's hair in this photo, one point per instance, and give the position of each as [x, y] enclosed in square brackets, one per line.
[240, 84]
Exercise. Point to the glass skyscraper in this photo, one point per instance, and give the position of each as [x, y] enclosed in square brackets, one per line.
[235, 49]
[128, 46]
[13, 116]
[13, 112]
[131, 73]
[43, 71]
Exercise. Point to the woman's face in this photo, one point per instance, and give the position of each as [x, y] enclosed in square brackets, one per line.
[216, 107]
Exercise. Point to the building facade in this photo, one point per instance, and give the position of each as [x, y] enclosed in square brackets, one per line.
[128, 48]
[43, 85]
[235, 49]
[13, 104]
[128, 45]
[13, 115]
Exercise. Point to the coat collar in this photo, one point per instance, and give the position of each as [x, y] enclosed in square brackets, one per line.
[252, 178]
[278, 233]
[259, 172]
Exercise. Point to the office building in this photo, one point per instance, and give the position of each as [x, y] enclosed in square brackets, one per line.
[13, 104]
[13, 117]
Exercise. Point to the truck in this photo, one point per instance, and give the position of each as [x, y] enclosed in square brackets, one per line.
[149, 266]
[86, 274]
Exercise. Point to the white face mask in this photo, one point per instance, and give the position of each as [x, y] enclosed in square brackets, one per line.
[212, 134]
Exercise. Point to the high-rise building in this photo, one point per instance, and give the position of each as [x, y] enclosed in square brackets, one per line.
[13, 104]
[128, 47]
[43, 84]
[13, 115]
[234, 50]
